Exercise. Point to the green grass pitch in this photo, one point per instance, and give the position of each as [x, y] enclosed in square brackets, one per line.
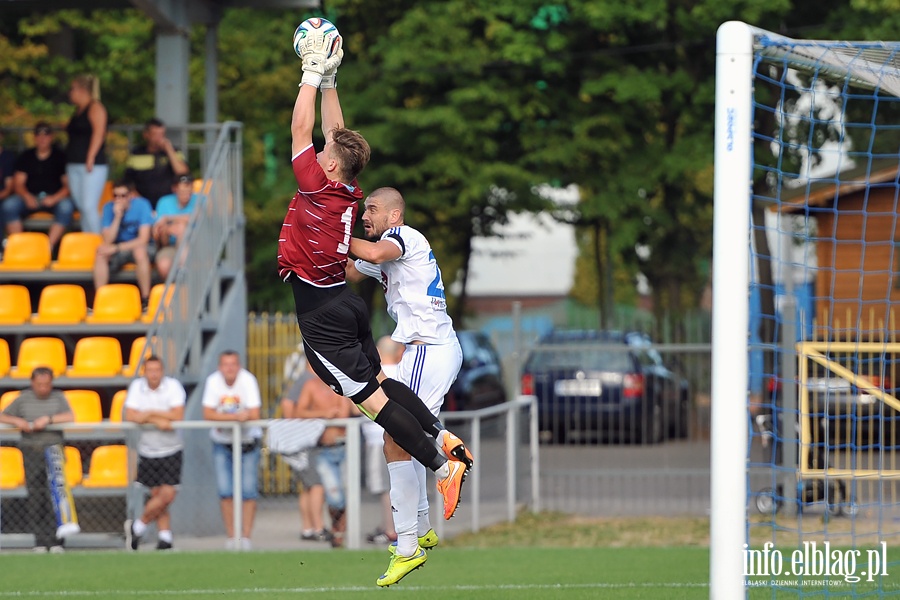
[452, 573]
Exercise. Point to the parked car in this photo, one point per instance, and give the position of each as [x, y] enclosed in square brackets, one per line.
[605, 384]
[480, 380]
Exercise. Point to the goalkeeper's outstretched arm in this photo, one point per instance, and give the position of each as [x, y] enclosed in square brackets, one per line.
[332, 115]
[303, 119]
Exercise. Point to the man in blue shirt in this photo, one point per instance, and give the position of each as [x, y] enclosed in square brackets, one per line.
[173, 213]
[126, 225]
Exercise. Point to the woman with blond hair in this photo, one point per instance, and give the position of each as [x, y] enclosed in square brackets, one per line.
[86, 166]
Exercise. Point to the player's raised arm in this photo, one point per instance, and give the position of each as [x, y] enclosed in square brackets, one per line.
[304, 119]
[332, 115]
[313, 51]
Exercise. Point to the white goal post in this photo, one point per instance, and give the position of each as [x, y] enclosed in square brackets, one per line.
[740, 49]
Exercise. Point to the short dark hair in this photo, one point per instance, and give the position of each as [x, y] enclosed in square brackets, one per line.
[41, 372]
[228, 352]
[154, 358]
[154, 122]
[352, 150]
[43, 126]
[125, 183]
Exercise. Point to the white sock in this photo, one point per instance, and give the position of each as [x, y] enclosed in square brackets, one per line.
[165, 535]
[424, 523]
[139, 527]
[404, 500]
[440, 442]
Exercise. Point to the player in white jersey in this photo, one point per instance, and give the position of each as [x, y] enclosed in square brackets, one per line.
[402, 259]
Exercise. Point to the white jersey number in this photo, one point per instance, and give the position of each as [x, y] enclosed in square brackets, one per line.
[347, 220]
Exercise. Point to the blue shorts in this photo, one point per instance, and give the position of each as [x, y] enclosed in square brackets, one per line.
[224, 465]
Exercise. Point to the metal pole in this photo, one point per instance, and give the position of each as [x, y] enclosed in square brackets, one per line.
[238, 490]
[787, 427]
[353, 538]
[476, 474]
[512, 468]
[535, 455]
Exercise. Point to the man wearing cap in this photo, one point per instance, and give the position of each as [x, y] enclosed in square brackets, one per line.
[40, 184]
[173, 213]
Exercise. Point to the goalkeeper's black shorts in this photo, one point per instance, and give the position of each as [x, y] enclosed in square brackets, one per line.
[338, 342]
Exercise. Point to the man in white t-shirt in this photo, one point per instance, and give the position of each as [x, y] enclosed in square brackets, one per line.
[232, 394]
[156, 400]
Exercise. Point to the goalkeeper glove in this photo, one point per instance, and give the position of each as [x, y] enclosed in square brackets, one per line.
[313, 53]
[329, 79]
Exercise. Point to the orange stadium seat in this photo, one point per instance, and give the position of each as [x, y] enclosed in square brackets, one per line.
[12, 468]
[156, 298]
[96, 357]
[15, 304]
[85, 404]
[118, 406]
[138, 347]
[4, 358]
[73, 466]
[116, 303]
[61, 304]
[26, 251]
[77, 251]
[40, 352]
[7, 398]
[108, 467]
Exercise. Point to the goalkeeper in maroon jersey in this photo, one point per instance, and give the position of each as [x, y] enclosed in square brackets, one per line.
[312, 253]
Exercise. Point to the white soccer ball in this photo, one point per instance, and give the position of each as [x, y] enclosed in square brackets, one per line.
[316, 25]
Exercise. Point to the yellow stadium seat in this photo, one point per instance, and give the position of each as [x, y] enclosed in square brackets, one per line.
[61, 304]
[26, 251]
[40, 352]
[108, 467]
[116, 303]
[12, 468]
[15, 304]
[4, 358]
[77, 251]
[138, 347]
[7, 398]
[156, 298]
[96, 357]
[73, 466]
[118, 406]
[202, 186]
[85, 404]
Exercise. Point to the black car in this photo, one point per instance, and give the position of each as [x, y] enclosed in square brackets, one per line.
[595, 384]
[480, 380]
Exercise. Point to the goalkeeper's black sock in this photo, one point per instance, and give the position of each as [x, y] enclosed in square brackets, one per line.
[401, 426]
[405, 397]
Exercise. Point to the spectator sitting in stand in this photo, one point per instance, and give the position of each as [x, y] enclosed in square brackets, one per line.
[127, 221]
[173, 213]
[154, 166]
[40, 184]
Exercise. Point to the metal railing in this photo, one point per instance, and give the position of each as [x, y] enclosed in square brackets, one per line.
[214, 241]
[479, 501]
